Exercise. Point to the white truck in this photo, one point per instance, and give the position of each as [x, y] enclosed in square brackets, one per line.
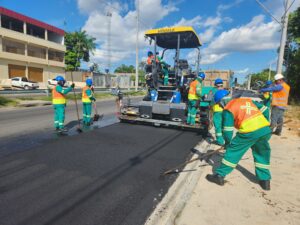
[23, 82]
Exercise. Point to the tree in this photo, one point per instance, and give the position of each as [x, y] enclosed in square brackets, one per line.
[79, 45]
[292, 58]
[261, 77]
[95, 68]
[125, 69]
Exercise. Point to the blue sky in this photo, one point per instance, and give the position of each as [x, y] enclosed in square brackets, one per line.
[236, 34]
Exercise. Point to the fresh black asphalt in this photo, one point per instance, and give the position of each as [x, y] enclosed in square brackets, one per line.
[108, 176]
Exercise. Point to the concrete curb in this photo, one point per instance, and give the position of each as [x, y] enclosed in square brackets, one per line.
[180, 192]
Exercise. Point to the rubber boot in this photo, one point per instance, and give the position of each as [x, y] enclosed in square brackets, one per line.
[265, 185]
[215, 178]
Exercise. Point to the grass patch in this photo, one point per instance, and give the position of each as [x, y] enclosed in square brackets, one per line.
[7, 102]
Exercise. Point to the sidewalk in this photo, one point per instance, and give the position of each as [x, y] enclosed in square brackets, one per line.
[241, 201]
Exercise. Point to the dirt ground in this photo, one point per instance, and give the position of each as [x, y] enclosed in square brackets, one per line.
[241, 201]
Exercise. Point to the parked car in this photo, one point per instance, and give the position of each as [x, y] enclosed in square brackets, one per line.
[23, 82]
[52, 82]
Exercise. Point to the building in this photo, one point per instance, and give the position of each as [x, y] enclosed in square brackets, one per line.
[29, 48]
[225, 75]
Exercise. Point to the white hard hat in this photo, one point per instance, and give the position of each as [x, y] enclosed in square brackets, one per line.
[278, 76]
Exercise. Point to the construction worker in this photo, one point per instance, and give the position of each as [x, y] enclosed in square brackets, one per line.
[59, 103]
[217, 113]
[253, 132]
[195, 92]
[164, 68]
[267, 97]
[87, 98]
[279, 102]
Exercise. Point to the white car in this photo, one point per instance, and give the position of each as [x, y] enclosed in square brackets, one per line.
[23, 82]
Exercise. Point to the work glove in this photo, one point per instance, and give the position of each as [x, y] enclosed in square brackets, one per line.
[72, 85]
[93, 99]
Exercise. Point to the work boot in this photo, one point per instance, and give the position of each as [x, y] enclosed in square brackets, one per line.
[215, 178]
[63, 130]
[265, 184]
[277, 133]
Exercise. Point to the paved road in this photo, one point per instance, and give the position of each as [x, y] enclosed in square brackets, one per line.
[107, 176]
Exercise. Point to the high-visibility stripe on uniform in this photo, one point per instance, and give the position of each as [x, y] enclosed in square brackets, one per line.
[228, 128]
[247, 117]
[227, 163]
[57, 98]
[262, 109]
[85, 98]
[218, 134]
[262, 166]
[217, 108]
[280, 98]
[193, 91]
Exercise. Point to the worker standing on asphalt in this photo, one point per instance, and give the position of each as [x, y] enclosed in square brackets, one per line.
[194, 96]
[279, 102]
[253, 132]
[87, 98]
[217, 114]
[59, 103]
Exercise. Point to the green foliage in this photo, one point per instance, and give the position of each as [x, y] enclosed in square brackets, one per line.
[262, 76]
[79, 45]
[125, 69]
[6, 101]
[292, 56]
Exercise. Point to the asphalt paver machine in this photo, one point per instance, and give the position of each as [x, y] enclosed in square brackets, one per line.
[163, 111]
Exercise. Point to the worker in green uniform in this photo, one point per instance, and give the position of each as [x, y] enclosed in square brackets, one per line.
[253, 132]
[267, 98]
[164, 67]
[59, 103]
[87, 98]
[195, 92]
[217, 113]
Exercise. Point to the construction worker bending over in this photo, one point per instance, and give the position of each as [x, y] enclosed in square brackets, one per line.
[253, 132]
[217, 113]
[59, 103]
[279, 103]
[194, 96]
[87, 98]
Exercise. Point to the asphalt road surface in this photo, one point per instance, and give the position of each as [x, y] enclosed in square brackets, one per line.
[106, 176]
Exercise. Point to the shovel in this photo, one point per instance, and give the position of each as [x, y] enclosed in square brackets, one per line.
[96, 115]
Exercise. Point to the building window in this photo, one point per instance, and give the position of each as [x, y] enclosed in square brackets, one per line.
[13, 47]
[11, 23]
[37, 52]
[35, 31]
[54, 37]
[56, 56]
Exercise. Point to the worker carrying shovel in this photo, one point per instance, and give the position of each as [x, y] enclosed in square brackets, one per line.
[253, 132]
[59, 103]
[87, 98]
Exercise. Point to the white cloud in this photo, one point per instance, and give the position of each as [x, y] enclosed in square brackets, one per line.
[276, 7]
[123, 25]
[257, 35]
[194, 22]
[243, 71]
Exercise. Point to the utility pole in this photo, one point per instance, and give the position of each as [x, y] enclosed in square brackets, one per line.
[137, 45]
[284, 22]
[109, 15]
[249, 82]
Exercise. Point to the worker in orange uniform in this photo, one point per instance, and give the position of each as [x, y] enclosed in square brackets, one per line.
[59, 103]
[253, 132]
[279, 103]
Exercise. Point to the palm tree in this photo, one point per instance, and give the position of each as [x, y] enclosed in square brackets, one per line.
[80, 44]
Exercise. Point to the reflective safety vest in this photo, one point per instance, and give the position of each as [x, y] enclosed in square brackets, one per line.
[280, 98]
[247, 117]
[267, 95]
[58, 98]
[150, 59]
[85, 98]
[217, 108]
[193, 91]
